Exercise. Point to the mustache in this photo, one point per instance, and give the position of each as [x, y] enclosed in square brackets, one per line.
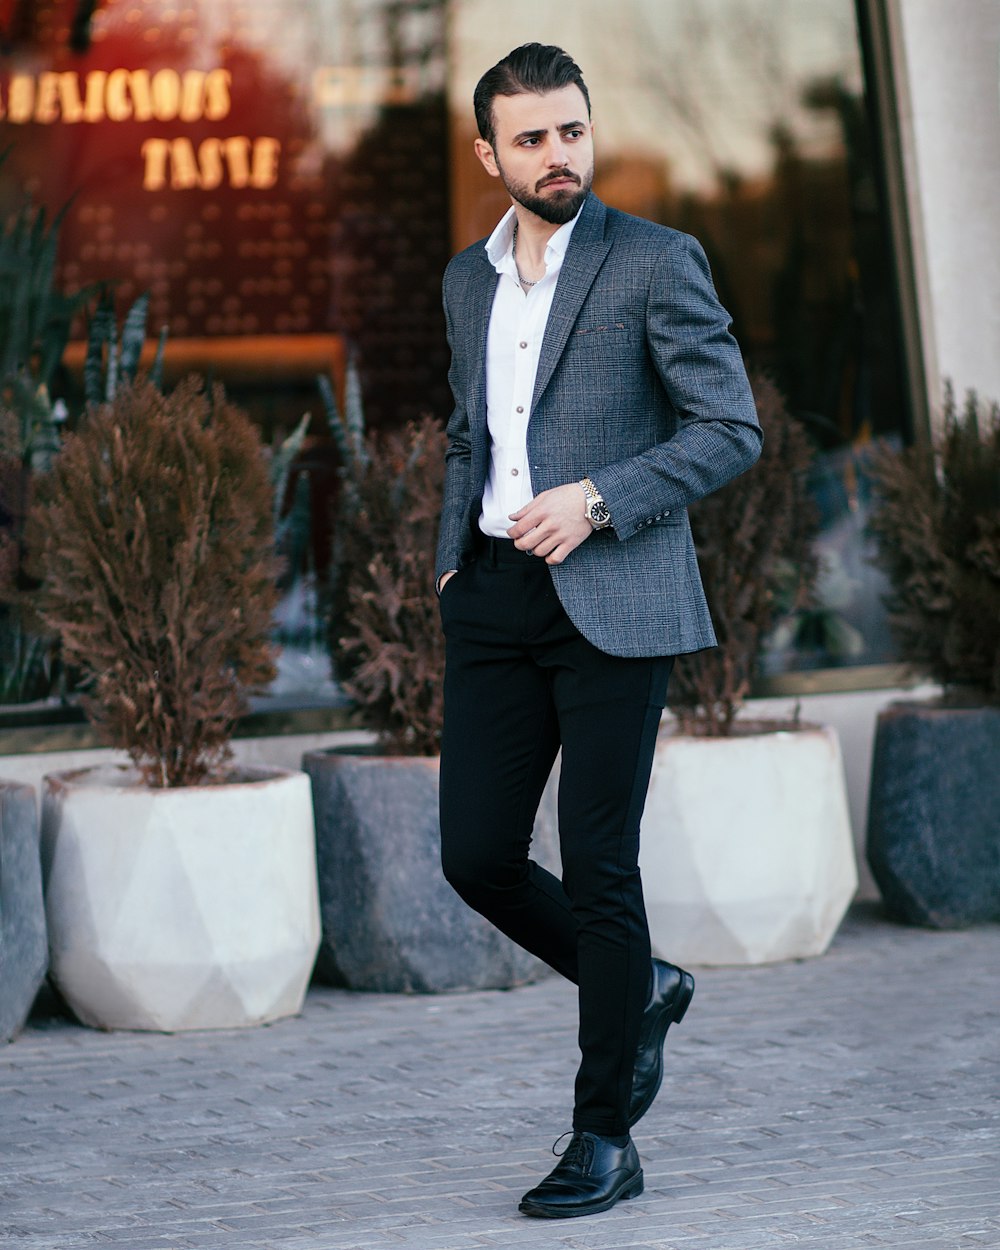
[558, 176]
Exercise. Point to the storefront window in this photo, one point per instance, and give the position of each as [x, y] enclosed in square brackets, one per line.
[287, 179]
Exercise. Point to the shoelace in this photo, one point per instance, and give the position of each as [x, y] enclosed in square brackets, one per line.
[578, 1153]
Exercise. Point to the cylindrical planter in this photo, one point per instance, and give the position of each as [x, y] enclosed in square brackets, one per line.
[186, 908]
[934, 814]
[391, 922]
[747, 855]
[24, 948]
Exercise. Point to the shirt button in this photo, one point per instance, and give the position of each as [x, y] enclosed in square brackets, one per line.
[513, 472]
[519, 408]
[522, 344]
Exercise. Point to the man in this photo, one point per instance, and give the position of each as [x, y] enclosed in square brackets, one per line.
[597, 392]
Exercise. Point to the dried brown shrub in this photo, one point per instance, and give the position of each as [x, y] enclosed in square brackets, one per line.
[754, 541]
[154, 535]
[937, 529]
[390, 640]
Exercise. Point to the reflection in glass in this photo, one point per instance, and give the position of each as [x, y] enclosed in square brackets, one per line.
[274, 173]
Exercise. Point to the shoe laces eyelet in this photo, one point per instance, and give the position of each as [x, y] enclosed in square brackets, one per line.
[559, 1153]
[580, 1151]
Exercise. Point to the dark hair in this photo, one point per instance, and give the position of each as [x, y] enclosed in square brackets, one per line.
[533, 67]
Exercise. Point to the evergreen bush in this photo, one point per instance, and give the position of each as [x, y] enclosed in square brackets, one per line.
[154, 535]
[937, 530]
[754, 539]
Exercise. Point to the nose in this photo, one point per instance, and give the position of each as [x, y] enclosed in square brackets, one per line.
[558, 153]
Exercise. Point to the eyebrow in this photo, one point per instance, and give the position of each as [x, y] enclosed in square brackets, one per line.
[537, 134]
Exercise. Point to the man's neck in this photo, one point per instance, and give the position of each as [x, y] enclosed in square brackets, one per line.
[533, 234]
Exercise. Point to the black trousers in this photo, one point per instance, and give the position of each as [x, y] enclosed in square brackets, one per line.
[521, 681]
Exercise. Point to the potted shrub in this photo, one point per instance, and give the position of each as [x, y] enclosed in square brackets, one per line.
[34, 326]
[390, 921]
[746, 845]
[180, 891]
[933, 826]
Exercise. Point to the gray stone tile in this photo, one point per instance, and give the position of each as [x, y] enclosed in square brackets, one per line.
[845, 1103]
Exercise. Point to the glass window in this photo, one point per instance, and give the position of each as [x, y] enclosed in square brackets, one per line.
[287, 179]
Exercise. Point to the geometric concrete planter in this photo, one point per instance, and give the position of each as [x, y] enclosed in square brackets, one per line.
[934, 814]
[186, 908]
[746, 849]
[391, 923]
[24, 948]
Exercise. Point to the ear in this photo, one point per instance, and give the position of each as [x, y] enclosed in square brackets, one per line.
[486, 157]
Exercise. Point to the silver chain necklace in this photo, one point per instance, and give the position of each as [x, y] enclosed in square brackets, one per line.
[513, 253]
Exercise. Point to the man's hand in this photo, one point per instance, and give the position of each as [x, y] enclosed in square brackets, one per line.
[553, 524]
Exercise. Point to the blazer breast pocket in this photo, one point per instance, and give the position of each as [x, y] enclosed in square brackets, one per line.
[603, 349]
[603, 333]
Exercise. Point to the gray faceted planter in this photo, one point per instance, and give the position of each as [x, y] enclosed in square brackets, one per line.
[934, 814]
[390, 921]
[24, 949]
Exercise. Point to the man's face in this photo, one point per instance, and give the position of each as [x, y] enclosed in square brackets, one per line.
[543, 151]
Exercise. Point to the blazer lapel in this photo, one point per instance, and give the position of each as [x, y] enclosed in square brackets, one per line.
[584, 257]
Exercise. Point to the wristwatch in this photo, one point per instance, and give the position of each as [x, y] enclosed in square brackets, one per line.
[597, 511]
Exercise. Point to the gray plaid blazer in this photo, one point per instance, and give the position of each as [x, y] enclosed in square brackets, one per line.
[642, 387]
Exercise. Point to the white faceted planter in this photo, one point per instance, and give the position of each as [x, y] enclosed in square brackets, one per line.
[187, 908]
[747, 855]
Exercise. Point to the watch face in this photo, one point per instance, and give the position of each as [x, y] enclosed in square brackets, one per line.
[599, 513]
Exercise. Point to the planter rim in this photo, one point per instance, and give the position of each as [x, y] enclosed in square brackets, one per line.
[367, 755]
[937, 706]
[124, 779]
[751, 730]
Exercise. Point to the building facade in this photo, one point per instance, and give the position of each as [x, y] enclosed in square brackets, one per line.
[286, 179]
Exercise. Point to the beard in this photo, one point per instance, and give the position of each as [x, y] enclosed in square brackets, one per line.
[558, 207]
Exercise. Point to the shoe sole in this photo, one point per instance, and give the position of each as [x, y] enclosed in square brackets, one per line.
[684, 995]
[631, 1189]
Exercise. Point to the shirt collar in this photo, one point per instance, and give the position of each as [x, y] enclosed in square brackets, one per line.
[500, 244]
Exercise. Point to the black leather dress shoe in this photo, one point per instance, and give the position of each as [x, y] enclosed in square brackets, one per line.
[672, 991]
[590, 1177]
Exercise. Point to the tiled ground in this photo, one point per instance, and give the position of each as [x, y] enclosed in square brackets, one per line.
[845, 1103]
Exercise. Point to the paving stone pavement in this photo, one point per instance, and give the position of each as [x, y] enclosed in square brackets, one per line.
[846, 1103]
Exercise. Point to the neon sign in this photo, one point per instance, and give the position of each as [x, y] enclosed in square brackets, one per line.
[166, 95]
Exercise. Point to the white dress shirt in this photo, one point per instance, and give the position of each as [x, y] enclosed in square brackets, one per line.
[513, 346]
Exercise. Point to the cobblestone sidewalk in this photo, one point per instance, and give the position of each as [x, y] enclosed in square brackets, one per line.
[845, 1103]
